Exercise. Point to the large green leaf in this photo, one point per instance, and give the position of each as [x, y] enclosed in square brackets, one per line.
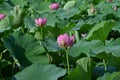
[112, 46]
[67, 28]
[67, 13]
[19, 2]
[74, 75]
[29, 22]
[49, 17]
[85, 63]
[25, 48]
[83, 47]
[69, 4]
[100, 31]
[4, 24]
[83, 26]
[117, 26]
[110, 52]
[110, 76]
[110, 59]
[40, 72]
[40, 6]
[84, 68]
[114, 50]
[52, 46]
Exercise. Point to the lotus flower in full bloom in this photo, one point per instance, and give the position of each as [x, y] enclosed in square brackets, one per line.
[2, 16]
[40, 22]
[65, 41]
[54, 6]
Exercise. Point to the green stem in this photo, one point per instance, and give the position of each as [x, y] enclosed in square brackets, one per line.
[13, 68]
[41, 33]
[64, 63]
[104, 60]
[104, 43]
[77, 36]
[0, 57]
[0, 66]
[67, 61]
[105, 65]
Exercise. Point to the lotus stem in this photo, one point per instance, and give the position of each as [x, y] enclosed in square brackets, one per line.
[41, 33]
[68, 68]
[105, 65]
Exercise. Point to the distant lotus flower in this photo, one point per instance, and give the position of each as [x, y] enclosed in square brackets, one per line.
[40, 21]
[54, 6]
[65, 41]
[2, 16]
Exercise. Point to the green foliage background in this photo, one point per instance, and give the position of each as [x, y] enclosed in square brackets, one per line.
[24, 56]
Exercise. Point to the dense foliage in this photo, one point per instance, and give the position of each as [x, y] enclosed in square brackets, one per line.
[59, 39]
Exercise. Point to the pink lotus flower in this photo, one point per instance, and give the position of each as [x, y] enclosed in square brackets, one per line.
[54, 6]
[2, 16]
[40, 21]
[65, 41]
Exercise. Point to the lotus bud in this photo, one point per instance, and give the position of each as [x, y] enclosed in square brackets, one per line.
[54, 6]
[2, 16]
[40, 22]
